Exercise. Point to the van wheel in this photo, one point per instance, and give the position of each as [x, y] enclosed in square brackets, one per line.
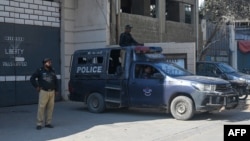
[96, 103]
[182, 108]
[242, 94]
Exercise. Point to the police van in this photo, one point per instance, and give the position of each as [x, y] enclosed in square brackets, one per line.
[119, 77]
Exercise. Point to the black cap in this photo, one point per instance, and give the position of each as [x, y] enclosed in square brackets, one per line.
[46, 60]
[128, 26]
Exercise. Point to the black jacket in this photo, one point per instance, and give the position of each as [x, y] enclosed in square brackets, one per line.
[45, 79]
[126, 39]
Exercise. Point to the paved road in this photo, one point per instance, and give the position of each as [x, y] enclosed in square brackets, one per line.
[74, 123]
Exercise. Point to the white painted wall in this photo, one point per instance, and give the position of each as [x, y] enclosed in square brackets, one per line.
[67, 42]
[85, 24]
[91, 24]
[30, 12]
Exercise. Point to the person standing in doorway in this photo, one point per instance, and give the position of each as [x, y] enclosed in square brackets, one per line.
[126, 38]
[45, 81]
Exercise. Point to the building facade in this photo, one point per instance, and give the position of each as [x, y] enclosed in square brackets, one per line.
[29, 32]
[56, 28]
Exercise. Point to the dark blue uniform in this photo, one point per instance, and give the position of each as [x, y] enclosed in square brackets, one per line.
[47, 79]
[126, 39]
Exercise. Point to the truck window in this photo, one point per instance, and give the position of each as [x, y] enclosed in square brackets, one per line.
[97, 60]
[90, 60]
[211, 69]
[201, 69]
[138, 71]
[226, 68]
[145, 71]
[172, 69]
[81, 60]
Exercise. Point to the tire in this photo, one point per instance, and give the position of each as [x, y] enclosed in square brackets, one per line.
[242, 94]
[182, 108]
[95, 103]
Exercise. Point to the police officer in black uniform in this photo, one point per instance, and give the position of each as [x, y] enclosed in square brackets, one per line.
[126, 38]
[45, 81]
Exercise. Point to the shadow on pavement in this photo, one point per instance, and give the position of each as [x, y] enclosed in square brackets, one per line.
[71, 118]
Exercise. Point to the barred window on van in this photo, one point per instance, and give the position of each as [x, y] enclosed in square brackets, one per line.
[97, 60]
[92, 60]
[82, 60]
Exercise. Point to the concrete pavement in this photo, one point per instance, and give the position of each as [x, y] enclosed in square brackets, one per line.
[73, 122]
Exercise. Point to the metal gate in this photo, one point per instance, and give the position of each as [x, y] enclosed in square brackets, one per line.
[22, 49]
[243, 58]
[242, 34]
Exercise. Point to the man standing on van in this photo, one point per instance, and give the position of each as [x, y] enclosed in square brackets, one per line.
[126, 38]
[45, 81]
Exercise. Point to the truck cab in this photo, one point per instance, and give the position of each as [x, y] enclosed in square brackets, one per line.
[139, 76]
[239, 81]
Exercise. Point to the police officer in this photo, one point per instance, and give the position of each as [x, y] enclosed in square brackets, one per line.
[45, 81]
[147, 72]
[126, 38]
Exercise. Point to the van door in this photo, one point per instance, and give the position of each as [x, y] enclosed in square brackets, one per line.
[145, 89]
[114, 81]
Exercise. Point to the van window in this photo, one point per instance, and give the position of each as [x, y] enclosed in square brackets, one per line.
[97, 60]
[145, 71]
[81, 60]
[138, 71]
[90, 60]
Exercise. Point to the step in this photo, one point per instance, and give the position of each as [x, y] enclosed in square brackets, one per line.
[113, 87]
[113, 100]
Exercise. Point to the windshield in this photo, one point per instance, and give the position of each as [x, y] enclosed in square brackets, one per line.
[226, 68]
[172, 69]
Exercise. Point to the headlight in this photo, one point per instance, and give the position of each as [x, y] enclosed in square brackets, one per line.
[204, 87]
[237, 78]
[248, 81]
[243, 79]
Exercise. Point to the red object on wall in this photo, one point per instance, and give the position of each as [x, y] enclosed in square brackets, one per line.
[244, 46]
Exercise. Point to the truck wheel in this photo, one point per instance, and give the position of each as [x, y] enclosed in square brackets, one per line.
[242, 94]
[182, 108]
[96, 103]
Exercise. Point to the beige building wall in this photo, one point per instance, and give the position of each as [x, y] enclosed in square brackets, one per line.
[179, 48]
[146, 29]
